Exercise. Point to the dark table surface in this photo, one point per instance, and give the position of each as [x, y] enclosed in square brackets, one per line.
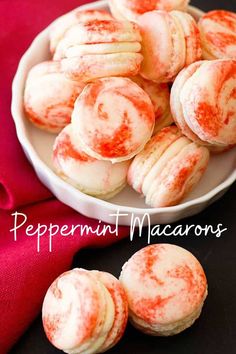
[214, 332]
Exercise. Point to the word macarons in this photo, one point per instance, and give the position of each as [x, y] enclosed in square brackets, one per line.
[142, 95]
[163, 288]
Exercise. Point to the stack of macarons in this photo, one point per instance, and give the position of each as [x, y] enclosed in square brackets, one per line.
[61, 25]
[169, 166]
[101, 48]
[162, 286]
[117, 80]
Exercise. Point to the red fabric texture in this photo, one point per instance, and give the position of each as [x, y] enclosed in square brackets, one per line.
[26, 274]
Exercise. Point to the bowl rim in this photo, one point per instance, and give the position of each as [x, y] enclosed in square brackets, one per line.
[42, 169]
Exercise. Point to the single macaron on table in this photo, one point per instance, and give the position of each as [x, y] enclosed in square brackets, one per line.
[162, 288]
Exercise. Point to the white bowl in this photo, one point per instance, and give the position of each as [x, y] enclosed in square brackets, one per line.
[37, 146]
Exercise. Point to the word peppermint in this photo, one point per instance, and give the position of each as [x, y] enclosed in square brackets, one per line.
[41, 230]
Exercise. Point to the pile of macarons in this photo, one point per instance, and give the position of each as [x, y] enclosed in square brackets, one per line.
[162, 288]
[141, 94]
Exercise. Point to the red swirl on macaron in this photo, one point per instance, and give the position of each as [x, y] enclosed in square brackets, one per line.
[172, 304]
[203, 102]
[218, 34]
[171, 41]
[113, 118]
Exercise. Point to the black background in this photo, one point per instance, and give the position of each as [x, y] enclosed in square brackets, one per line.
[215, 331]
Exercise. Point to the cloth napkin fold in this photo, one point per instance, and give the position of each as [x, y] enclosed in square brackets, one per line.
[25, 274]
[21, 21]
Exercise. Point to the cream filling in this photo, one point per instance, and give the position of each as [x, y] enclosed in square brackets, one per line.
[178, 53]
[160, 193]
[103, 48]
[169, 154]
[193, 52]
[143, 163]
[176, 104]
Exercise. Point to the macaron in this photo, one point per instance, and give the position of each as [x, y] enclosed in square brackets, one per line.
[132, 9]
[49, 96]
[121, 308]
[101, 179]
[100, 48]
[160, 97]
[166, 288]
[203, 102]
[113, 119]
[218, 34]
[171, 41]
[168, 168]
[84, 312]
[59, 27]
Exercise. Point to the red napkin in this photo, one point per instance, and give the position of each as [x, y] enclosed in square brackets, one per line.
[25, 274]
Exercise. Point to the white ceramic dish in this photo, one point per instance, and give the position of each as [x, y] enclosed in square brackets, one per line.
[37, 146]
